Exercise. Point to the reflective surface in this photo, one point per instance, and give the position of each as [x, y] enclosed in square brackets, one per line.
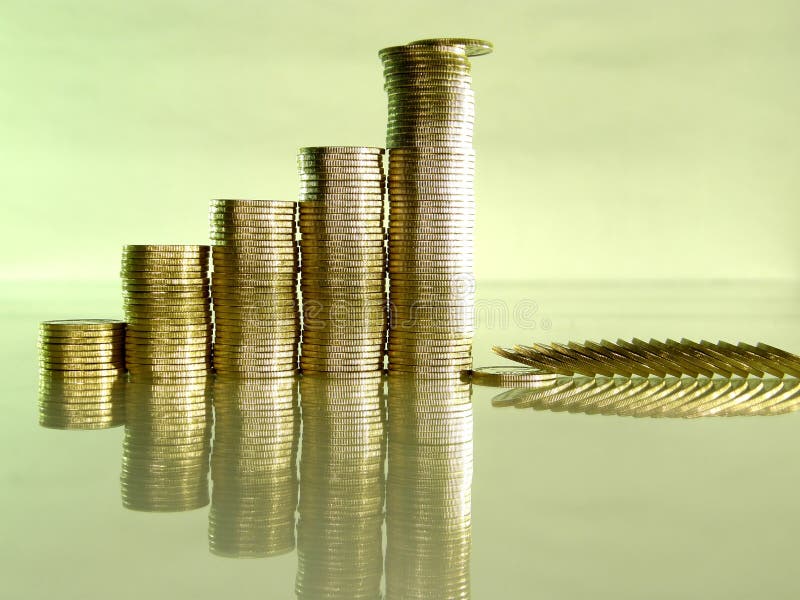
[377, 473]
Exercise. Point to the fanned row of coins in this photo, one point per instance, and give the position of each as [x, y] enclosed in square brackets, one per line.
[343, 258]
[168, 310]
[656, 358]
[670, 397]
[339, 533]
[253, 467]
[81, 367]
[167, 444]
[431, 204]
[255, 286]
[428, 491]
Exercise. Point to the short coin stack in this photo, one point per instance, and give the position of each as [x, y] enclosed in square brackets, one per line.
[343, 258]
[254, 467]
[431, 204]
[428, 491]
[82, 373]
[168, 310]
[255, 286]
[339, 533]
[167, 444]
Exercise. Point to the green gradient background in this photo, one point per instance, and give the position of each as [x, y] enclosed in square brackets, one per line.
[623, 138]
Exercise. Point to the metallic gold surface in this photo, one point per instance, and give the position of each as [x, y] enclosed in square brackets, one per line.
[656, 358]
[254, 286]
[343, 260]
[431, 198]
[166, 297]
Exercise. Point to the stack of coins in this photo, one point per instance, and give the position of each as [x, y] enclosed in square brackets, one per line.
[343, 258]
[428, 491]
[339, 533]
[167, 444]
[81, 376]
[255, 286]
[431, 204]
[254, 467]
[168, 310]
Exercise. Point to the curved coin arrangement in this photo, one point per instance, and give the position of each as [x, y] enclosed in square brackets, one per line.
[656, 358]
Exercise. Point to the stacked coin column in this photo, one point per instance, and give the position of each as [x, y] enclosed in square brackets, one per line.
[428, 490]
[339, 532]
[168, 310]
[431, 207]
[254, 286]
[167, 444]
[342, 259]
[81, 377]
[254, 467]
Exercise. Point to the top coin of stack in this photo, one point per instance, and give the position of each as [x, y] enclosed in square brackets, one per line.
[167, 308]
[82, 362]
[431, 203]
[255, 286]
[343, 258]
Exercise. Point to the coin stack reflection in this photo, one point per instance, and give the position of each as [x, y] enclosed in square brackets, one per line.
[255, 286]
[167, 444]
[168, 310]
[81, 376]
[431, 204]
[254, 467]
[339, 535]
[428, 492]
[343, 258]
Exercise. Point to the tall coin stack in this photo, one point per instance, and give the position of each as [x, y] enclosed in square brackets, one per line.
[168, 310]
[167, 444]
[255, 286]
[254, 467]
[343, 258]
[339, 532]
[82, 366]
[428, 490]
[431, 204]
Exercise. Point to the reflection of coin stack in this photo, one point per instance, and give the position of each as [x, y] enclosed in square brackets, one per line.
[253, 467]
[339, 539]
[168, 310]
[81, 384]
[167, 445]
[343, 261]
[255, 286]
[431, 204]
[428, 492]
